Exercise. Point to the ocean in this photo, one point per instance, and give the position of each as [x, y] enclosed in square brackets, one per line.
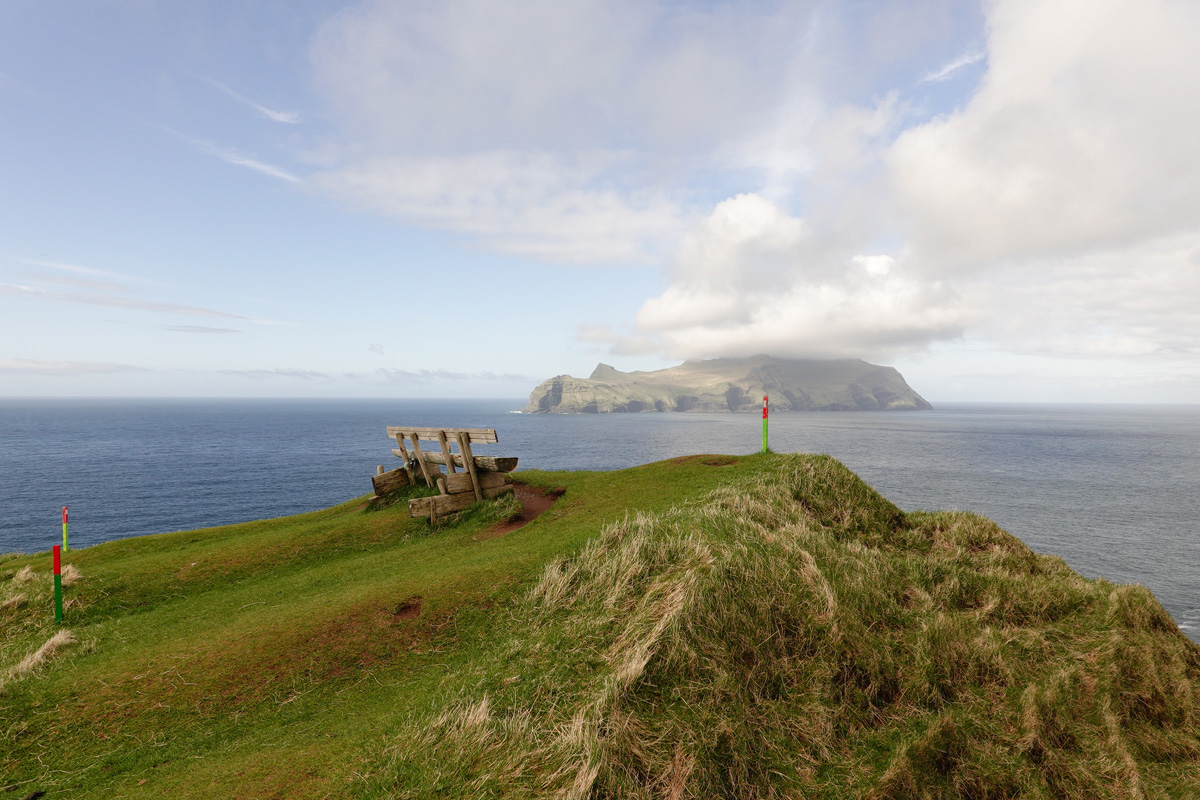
[1113, 490]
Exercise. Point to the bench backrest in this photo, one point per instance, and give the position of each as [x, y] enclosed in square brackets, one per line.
[475, 435]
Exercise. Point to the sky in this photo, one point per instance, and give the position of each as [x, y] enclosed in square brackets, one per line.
[462, 198]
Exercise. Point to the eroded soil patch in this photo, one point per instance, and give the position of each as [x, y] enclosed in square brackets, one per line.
[535, 501]
[708, 460]
[409, 609]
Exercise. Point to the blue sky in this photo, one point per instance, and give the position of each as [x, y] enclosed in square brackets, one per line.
[462, 198]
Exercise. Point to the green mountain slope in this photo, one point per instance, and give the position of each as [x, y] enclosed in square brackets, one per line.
[763, 626]
[730, 384]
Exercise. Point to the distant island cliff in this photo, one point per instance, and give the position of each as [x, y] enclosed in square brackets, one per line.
[730, 384]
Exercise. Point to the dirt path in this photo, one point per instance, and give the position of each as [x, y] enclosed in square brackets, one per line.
[534, 499]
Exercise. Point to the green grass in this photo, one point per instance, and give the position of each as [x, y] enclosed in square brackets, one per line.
[763, 626]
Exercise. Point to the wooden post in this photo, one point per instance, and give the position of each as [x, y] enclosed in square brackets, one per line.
[420, 459]
[464, 447]
[446, 451]
[404, 455]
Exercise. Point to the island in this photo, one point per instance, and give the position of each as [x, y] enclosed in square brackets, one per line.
[731, 384]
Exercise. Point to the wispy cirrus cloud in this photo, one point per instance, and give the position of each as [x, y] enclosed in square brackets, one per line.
[287, 117]
[197, 329]
[27, 366]
[72, 268]
[972, 56]
[236, 157]
[45, 284]
[94, 298]
[260, 374]
[83, 283]
[17, 290]
[429, 375]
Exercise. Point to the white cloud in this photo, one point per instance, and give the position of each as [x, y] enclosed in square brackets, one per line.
[1081, 136]
[1137, 302]
[462, 76]
[1057, 214]
[781, 165]
[751, 280]
[1068, 188]
[563, 131]
[849, 318]
[875, 266]
[555, 208]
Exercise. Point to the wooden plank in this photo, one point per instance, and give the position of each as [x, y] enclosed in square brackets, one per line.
[441, 504]
[464, 447]
[478, 435]
[493, 463]
[461, 482]
[389, 481]
[402, 452]
[421, 460]
[445, 445]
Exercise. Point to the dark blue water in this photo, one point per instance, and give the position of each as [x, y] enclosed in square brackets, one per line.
[1114, 490]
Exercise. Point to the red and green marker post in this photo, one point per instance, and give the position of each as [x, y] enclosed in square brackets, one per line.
[764, 423]
[58, 614]
[65, 548]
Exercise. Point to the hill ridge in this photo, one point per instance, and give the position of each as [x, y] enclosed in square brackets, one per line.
[730, 384]
[738, 626]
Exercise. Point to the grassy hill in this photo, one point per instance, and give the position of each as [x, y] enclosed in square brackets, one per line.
[764, 626]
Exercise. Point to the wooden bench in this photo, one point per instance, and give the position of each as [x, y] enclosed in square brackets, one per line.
[482, 477]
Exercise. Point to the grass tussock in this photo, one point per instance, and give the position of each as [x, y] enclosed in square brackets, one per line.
[13, 602]
[796, 635]
[26, 619]
[38, 657]
[71, 575]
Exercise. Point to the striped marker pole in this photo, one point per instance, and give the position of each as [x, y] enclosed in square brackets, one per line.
[764, 423]
[65, 548]
[58, 615]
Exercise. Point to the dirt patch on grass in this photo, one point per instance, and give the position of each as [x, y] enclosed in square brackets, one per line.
[708, 460]
[409, 609]
[535, 501]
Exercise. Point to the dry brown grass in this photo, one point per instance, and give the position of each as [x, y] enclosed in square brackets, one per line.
[71, 575]
[799, 636]
[14, 602]
[38, 657]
